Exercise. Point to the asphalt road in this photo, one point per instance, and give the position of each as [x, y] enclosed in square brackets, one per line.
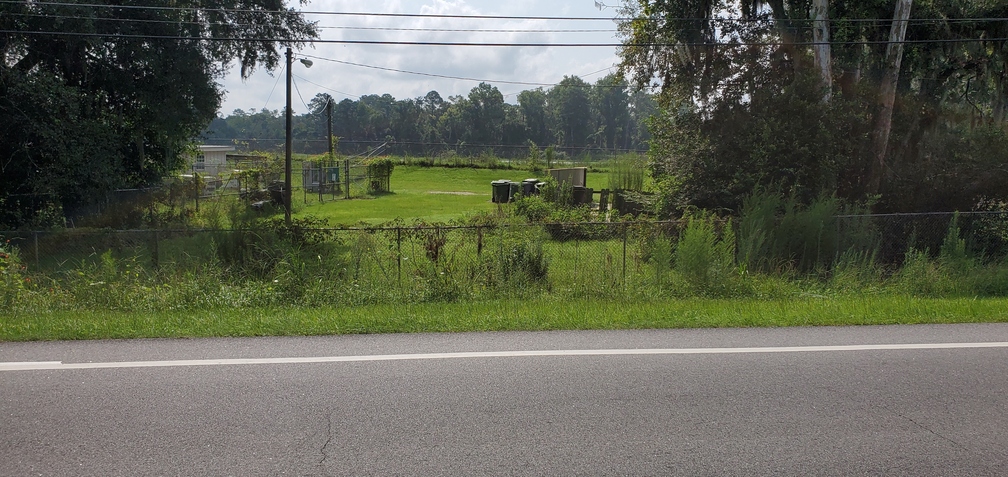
[698, 405]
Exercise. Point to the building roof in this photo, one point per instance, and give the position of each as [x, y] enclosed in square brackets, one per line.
[209, 148]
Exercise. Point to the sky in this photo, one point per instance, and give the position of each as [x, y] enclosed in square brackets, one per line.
[534, 64]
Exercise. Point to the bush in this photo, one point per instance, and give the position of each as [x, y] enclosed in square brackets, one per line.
[12, 279]
[705, 261]
[516, 262]
[953, 249]
[533, 208]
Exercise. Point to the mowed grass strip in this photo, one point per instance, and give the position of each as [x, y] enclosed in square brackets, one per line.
[431, 194]
[502, 315]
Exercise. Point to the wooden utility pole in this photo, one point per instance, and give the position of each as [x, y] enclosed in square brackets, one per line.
[330, 162]
[288, 147]
[821, 38]
[887, 93]
[328, 108]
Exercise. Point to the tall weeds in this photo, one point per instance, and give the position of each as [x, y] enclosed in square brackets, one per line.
[703, 258]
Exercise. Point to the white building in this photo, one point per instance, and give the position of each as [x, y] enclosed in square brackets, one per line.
[211, 160]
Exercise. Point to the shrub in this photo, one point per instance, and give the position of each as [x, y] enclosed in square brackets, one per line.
[12, 279]
[701, 257]
[533, 208]
[517, 261]
[953, 252]
[534, 158]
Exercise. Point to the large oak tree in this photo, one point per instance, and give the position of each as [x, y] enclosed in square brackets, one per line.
[98, 98]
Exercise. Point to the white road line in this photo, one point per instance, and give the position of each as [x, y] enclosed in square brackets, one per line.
[59, 365]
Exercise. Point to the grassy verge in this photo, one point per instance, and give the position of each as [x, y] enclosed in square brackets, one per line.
[503, 315]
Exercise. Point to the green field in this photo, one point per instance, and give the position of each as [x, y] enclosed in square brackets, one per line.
[430, 194]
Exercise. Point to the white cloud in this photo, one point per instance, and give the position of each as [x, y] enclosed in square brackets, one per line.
[526, 64]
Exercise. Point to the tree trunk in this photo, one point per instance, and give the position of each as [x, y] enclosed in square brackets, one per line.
[821, 38]
[887, 93]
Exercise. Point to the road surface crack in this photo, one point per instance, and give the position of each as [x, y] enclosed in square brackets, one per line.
[325, 446]
[932, 431]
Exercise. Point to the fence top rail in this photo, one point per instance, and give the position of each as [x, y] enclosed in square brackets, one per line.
[923, 214]
[336, 229]
[382, 228]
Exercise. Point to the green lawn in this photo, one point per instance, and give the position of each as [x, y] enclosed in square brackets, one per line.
[503, 315]
[431, 194]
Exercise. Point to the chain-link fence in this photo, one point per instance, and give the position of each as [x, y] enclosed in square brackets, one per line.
[575, 259]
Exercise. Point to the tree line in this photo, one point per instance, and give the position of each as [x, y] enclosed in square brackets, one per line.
[573, 116]
[900, 104]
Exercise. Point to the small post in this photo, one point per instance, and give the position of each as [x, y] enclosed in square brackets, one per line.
[36, 250]
[154, 257]
[399, 254]
[624, 252]
[346, 174]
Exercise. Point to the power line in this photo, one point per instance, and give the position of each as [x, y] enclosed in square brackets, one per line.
[463, 30]
[326, 87]
[834, 21]
[488, 17]
[582, 77]
[434, 75]
[308, 12]
[323, 27]
[501, 45]
[489, 81]
[337, 27]
[275, 83]
[299, 94]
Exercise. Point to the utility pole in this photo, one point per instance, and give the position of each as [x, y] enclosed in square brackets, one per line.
[289, 147]
[332, 158]
[329, 115]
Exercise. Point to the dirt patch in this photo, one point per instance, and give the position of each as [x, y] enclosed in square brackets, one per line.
[451, 192]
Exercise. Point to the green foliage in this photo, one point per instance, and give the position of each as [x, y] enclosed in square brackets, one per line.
[550, 156]
[559, 194]
[577, 223]
[534, 158]
[379, 172]
[660, 255]
[783, 234]
[627, 173]
[953, 252]
[516, 262]
[12, 279]
[736, 118]
[757, 223]
[122, 112]
[271, 266]
[533, 208]
[919, 276]
[705, 260]
[856, 272]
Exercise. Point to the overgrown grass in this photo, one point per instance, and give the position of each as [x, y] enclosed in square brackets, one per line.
[503, 315]
[789, 265]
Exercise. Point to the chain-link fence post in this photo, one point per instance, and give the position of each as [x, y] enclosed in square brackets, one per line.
[624, 253]
[154, 255]
[36, 249]
[399, 255]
